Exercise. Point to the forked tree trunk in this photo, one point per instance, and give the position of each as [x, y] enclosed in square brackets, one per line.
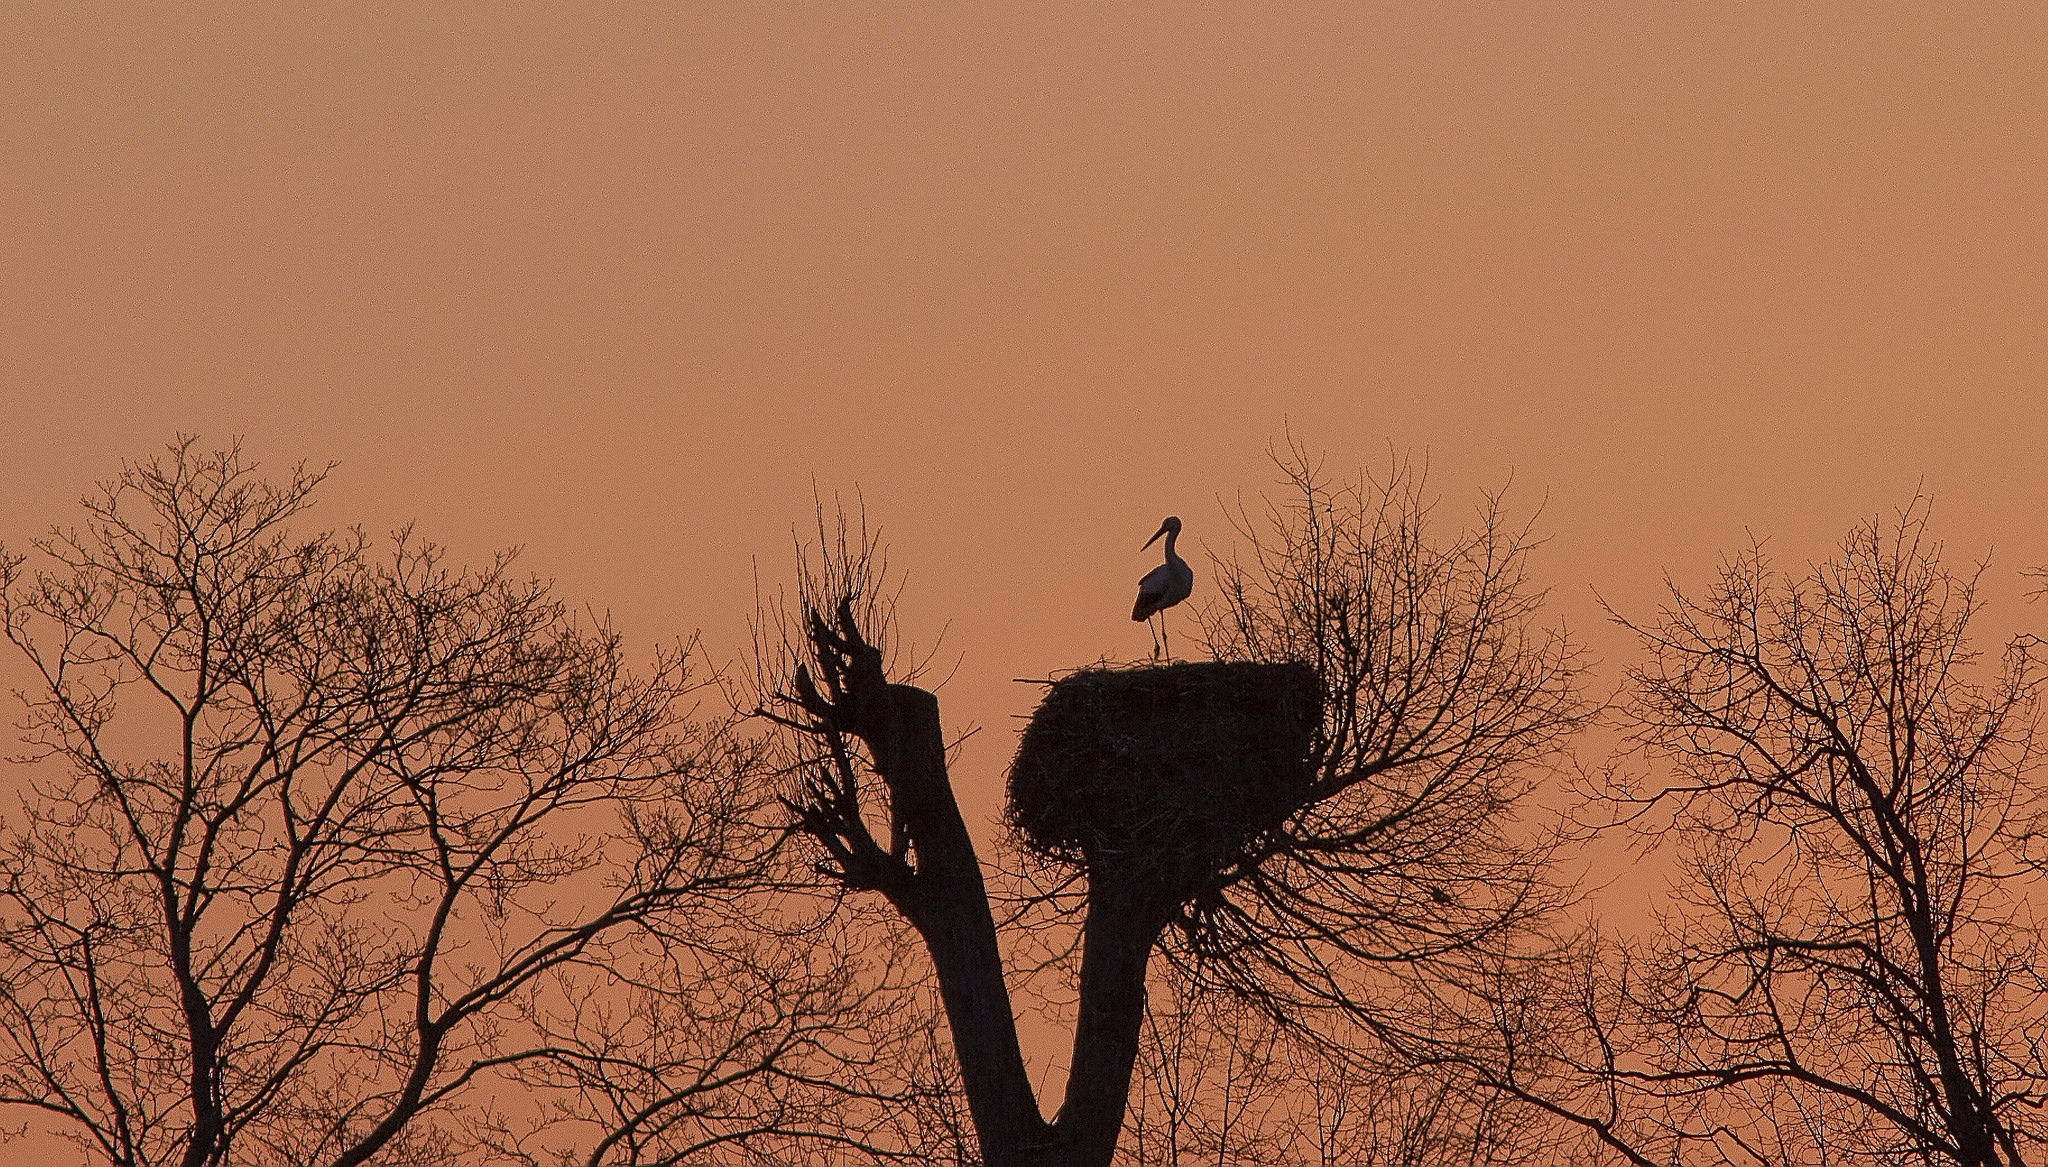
[1218, 748]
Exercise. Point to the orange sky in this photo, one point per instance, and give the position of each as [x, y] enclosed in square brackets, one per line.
[617, 283]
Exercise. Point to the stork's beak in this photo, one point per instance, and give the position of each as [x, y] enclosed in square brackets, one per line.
[1155, 536]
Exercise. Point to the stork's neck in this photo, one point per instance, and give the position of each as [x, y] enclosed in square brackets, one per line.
[1171, 535]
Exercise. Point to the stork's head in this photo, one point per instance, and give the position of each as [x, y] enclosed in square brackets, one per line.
[1170, 526]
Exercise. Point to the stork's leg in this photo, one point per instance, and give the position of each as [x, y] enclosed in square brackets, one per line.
[1155, 634]
[1165, 638]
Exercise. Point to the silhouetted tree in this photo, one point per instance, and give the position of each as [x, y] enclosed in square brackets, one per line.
[1394, 869]
[308, 824]
[1219, 1081]
[1851, 967]
[1406, 874]
[777, 1034]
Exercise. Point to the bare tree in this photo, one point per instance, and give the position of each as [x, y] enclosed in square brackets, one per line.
[1408, 868]
[1212, 1083]
[782, 1032]
[305, 818]
[1371, 896]
[1851, 970]
[1221, 1082]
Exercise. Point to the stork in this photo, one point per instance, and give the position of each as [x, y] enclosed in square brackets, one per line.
[1163, 586]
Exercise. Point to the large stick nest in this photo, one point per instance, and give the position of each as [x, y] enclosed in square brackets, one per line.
[1164, 769]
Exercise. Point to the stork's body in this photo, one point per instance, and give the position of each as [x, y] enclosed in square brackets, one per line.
[1165, 585]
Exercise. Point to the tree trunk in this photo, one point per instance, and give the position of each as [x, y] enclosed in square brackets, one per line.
[947, 902]
[1116, 944]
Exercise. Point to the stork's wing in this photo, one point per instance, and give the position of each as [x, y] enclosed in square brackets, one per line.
[1152, 592]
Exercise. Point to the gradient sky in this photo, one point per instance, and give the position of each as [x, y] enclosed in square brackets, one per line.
[621, 283]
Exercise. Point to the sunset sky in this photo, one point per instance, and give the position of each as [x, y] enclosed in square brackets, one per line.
[625, 284]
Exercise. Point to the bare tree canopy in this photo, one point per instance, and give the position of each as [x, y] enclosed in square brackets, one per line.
[779, 1033]
[1446, 701]
[306, 816]
[1220, 1081]
[1850, 971]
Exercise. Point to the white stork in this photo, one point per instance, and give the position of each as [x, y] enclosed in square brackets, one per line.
[1163, 586]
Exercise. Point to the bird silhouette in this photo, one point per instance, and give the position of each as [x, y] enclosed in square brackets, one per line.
[1163, 586]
